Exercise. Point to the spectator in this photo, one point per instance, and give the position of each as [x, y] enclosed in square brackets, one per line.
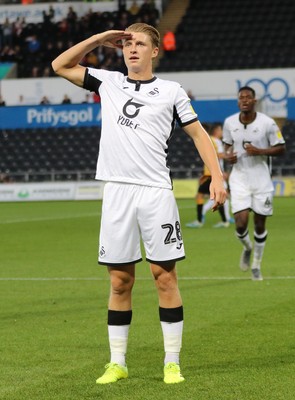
[66, 100]
[91, 59]
[35, 72]
[47, 72]
[87, 99]
[33, 44]
[71, 20]
[146, 7]
[134, 8]
[44, 100]
[19, 27]
[7, 32]
[2, 102]
[96, 98]
[21, 100]
[169, 43]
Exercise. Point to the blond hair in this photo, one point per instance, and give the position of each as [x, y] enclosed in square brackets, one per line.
[149, 30]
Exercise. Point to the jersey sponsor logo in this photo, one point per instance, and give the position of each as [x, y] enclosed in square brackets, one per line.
[131, 109]
[154, 92]
[127, 122]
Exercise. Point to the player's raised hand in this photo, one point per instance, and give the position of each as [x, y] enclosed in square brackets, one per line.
[113, 38]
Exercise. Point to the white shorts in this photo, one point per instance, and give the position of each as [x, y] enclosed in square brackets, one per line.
[251, 190]
[243, 199]
[131, 212]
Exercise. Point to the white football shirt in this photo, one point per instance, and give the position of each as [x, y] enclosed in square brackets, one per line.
[253, 171]
[220, 149]
[138, 118]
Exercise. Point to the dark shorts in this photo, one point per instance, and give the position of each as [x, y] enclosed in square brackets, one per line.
[204, 186]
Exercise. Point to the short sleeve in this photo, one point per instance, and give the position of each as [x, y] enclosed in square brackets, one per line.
[93, 79]
[226, 135]
[185, 114]
[274, 134]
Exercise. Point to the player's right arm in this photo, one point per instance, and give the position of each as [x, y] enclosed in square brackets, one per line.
[230, 156]
[67, 64]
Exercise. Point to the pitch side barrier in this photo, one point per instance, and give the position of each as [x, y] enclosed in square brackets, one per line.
[93, 190]
[32, 117]
[72, 115]
[291, 108]
[89, 114]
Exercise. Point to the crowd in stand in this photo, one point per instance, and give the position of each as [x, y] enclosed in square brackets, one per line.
[34, 46]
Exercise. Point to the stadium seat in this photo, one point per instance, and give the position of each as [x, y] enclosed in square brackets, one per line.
[209, 27]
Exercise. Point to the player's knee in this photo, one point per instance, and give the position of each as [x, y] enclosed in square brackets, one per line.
[259, 229]
[122, 286]
[166, 281]
[241, 229]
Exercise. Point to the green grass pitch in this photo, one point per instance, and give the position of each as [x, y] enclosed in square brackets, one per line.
[238, 341]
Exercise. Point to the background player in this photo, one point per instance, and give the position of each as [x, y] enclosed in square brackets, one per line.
[215, 132]
[203, 192]
[251, 138]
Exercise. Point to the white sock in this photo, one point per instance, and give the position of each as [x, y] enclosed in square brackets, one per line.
[244, 238]
[118, 339]
[172, 333]
[226, 210]
[207, 206]
[259, 245]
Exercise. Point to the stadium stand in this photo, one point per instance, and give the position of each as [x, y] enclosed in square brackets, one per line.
[283, 166]
[70, 154]
[32, 46]
[49, 154]
[232, 34]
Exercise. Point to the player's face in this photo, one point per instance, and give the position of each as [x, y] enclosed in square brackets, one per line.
[246, 101]
[218, 132]
[138, 52]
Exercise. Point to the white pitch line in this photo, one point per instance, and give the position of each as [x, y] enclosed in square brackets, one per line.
[184, 278]
[41, 219]
[60, 217]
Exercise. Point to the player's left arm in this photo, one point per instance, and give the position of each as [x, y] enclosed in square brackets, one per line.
[208, 154]
[275, 139]
[276, 150]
